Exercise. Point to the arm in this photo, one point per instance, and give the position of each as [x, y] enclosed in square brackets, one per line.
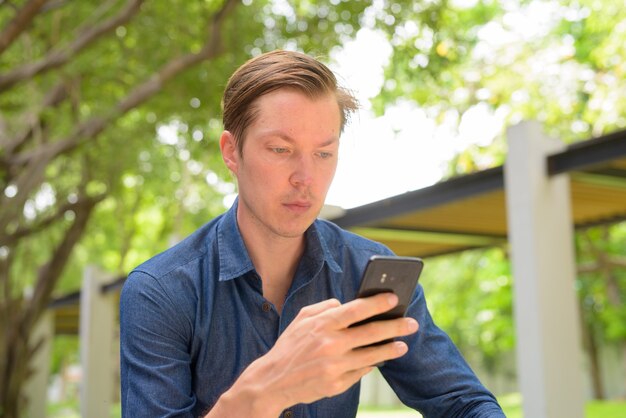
[317, 356]
[433, 377]
[155, 362]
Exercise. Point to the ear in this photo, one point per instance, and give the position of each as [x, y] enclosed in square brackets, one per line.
[230, 152]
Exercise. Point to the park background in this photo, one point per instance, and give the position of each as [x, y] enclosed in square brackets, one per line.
[109, 121]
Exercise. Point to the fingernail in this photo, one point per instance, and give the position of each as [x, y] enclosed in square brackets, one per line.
[400, 347]
[392, 298]
[411, 324]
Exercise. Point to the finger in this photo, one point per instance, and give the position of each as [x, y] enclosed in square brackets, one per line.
[317, 308]
[353, 376]
[362, 308]
[335, 386]
[367, 356]
[377, 331]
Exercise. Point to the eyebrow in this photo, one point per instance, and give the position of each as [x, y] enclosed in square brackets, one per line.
[289, 139]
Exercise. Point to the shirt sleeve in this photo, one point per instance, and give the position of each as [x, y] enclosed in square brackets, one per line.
[433, 377]
[155, 363]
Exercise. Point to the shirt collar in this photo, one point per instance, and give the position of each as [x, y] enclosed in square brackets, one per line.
[317, 247]
[234, 260]
[233, 256]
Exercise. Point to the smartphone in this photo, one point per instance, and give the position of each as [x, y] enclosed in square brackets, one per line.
[390, 274]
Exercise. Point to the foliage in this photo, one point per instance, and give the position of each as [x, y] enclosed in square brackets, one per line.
[109, 121]
[110, 115]
[560, 62]
[511, 404]
[473, 304]
[602, 281]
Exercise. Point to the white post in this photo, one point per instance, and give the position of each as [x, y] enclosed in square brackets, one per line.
[549, 359]
[97, 319]
[36, 387]
[375, 391]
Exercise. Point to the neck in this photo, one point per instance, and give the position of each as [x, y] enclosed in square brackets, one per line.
[275, 259]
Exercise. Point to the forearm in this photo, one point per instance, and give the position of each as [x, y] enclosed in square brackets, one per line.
[239, 405]
[485, 409]
[249, 396]
[316, 357]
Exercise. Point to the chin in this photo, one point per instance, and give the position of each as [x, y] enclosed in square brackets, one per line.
[294, 230]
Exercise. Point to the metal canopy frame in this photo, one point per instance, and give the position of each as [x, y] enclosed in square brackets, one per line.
[471, 212]
[408, 223]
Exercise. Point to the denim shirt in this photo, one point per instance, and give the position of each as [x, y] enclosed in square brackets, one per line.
[194, 317]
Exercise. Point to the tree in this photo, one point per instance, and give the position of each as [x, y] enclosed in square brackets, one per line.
[48, 113]
[109, 113]
[559, 62]
[470, 296]
[602, 292]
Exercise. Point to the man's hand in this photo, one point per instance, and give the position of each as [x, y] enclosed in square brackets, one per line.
[319, 356]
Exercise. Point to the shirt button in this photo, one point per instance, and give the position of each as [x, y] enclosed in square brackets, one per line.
[266, 307]
[288, 414]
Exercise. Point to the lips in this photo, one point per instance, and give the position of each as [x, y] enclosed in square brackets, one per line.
[298, 206]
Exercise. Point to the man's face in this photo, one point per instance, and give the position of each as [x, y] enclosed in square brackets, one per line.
[289, 160]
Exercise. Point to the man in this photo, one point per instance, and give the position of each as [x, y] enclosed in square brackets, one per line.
[250, 316]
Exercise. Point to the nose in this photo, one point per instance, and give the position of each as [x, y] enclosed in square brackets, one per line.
[302, 174]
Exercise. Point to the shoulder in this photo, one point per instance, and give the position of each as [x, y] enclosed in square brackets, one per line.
[191, 248]
[177, 272]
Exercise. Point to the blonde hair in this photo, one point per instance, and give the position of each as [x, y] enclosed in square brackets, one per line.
[272, 71]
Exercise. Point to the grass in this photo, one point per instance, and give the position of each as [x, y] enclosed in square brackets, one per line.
[511, 404]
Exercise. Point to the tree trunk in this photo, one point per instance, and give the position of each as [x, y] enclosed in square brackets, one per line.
[614, 293]
[605, 265]
[26, 165]
[15, 374]
[589, 342]
[21, 316]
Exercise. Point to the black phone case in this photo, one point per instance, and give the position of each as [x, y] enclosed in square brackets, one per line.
[390, 274]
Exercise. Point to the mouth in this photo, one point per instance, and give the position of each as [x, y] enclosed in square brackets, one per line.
[298, 206]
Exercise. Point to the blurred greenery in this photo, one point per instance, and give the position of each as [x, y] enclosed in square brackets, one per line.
[470, 297]
[511, 404]
[158, 168]
[99, 119]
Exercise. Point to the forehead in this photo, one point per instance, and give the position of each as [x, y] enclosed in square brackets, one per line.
[292, 107]
[292, 115]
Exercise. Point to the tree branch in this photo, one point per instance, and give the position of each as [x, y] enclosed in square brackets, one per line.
[617, 261]
[584, 268]
[139, 95]
[19, 23]
[210, 49]
[29, 178]
[23, 232]
[57, 58]
[53, 98]
[37, 159]
[604, 262]
[50, 272]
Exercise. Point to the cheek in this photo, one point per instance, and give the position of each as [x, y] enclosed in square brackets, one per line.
[324, 179]
[263, 176]
[330, 172]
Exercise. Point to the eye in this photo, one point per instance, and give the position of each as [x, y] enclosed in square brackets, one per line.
[279, 150]
[325, 155]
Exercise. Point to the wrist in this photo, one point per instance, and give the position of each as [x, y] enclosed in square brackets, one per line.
[248, 397]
